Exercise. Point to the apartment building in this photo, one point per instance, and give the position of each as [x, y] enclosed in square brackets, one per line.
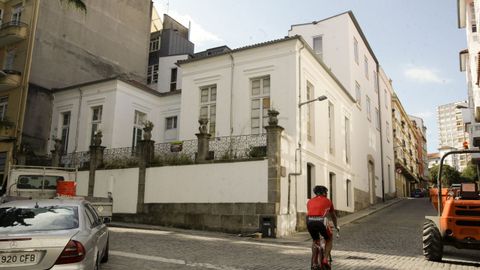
[422, 155]
[469, 19]
[451, 129]
[405, 150]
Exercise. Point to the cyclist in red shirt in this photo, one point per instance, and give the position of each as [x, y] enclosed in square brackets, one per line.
[318, 208]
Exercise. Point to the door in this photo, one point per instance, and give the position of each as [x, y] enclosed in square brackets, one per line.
[371, 181]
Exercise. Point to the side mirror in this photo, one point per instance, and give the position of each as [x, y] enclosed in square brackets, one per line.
[106, 220]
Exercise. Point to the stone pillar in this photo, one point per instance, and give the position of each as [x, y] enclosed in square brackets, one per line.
[146, 154]
[203, 142]
[56, 153]
[274, 134]
[96, 160]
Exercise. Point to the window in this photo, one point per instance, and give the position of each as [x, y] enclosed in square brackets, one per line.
[65, 130]
[260, 103]
[365, 62]
[310, 113]
[154, 44]
[208, 108]
[138, 120]
[38, 181]
[349, 193]
[377, 118]
[3, 108]
[171, 123]
[386, 98]
[355, 50]
[375, 81]
[331, 128]
[152, 74]
[358, 94]
[173, 79]
[387, 130]
[9, 59]
[347, 140]
[318, 45]
[96, 121]
[474, 27]
[17, 13]
[369, 110]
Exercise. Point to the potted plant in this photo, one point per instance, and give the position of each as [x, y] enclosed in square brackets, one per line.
[176, 146]
[147, 130]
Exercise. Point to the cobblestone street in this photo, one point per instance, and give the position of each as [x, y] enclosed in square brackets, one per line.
[388, 239]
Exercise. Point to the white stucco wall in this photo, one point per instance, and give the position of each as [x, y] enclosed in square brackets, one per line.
[82, 183]
[120, 100]
[165, 66]
[239, 182]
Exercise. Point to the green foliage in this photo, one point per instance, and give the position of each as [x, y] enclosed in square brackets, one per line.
[257, 151]
[121, 162]
[77, 4]
[172, 159]
[449, 175]
[469, 174]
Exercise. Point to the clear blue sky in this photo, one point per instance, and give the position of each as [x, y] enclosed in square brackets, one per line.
[416, 41]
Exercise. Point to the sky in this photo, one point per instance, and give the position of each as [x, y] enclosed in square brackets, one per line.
[416, 42]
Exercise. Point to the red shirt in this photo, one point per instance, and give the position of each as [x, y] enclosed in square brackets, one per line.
[319, 206]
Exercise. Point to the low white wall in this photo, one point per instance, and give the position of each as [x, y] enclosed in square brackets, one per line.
[122, 183]
[239, 182]
[82, 183]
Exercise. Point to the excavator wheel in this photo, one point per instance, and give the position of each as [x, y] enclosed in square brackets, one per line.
[432, 242]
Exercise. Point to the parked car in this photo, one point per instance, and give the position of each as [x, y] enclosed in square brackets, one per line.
[52, 234]
[417, 193]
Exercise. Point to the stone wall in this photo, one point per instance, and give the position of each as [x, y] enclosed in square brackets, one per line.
[223, 217]
[362, 199]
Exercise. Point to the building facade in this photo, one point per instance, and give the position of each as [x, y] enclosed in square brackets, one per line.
[452, 133]
[405, 150]
[71, 47]
[422, 156]
[341, 44]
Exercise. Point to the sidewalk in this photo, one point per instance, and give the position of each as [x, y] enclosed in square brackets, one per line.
[294, 238]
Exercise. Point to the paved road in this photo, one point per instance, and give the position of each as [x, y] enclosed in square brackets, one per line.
[388, 239]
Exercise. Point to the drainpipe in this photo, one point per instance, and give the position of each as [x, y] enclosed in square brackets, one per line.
[22, 104]
[78, 118]
[232, 66]
[299, 149]
[381, 137]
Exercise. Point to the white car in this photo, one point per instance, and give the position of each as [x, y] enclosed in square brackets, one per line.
[51, 234]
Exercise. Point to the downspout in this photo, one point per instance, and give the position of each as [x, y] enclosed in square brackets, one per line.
[381, 137]
[299, 149]
[78, 118]
[232, 66]
[22, 106]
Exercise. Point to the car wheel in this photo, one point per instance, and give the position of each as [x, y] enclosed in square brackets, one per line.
[105, 253]
[432, 242]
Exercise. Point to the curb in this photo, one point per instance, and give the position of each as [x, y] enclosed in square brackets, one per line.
[368, 211]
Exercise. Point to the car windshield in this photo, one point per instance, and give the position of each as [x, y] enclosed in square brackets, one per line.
[49, 218]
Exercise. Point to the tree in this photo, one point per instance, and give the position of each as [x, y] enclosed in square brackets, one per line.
[78, 4]
[469, 174]
[449, 175]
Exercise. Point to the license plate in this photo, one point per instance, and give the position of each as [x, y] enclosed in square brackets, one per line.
[19, 258]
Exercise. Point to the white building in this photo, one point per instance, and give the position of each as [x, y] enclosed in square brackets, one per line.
[468, 18]
[118, 108]
[340, 43]
[452, 130]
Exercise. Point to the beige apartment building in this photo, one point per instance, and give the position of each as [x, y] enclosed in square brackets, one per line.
[405, 149]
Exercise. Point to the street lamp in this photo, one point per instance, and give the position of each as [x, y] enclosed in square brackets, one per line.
[299, 149]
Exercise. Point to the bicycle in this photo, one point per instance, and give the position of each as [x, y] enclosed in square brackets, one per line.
[318, 253]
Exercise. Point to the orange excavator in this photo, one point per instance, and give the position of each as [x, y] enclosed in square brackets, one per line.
[458, 220]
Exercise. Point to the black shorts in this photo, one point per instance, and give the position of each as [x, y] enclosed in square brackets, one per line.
[316, 227]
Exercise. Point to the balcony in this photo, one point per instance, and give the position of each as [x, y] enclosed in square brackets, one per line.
[12, 32]
[9, 79]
